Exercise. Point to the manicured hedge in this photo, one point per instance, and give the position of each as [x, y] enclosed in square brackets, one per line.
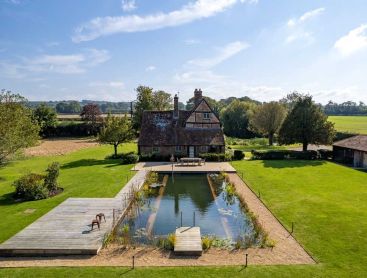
[238, 155]
[216, 157]
[284, 154]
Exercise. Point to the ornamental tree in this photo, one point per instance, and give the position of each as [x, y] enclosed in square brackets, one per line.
[116, 130]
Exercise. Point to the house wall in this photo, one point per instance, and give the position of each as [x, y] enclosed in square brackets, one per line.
[197, 119]
[365, 160]
[343, 155]
[169, 150]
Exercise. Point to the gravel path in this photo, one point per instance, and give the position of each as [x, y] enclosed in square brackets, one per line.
[287, 250]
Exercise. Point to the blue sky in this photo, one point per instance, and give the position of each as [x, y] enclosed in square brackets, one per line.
[102, 50]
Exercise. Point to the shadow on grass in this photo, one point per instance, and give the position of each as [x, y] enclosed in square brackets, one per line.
[291, 163]
[91, 162]
[7, 199]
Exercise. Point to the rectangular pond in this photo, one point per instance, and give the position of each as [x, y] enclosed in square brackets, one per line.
[189, 200]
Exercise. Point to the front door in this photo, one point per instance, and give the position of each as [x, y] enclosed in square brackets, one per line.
[191, 151]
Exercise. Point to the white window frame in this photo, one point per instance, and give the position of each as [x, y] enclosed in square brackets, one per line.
[206, 116]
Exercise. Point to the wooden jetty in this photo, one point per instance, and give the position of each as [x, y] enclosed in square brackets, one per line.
[188, 241]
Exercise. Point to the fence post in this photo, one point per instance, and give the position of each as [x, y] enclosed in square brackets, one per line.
[181, 218]
[194, 219]
[246, 260]
[133, 262]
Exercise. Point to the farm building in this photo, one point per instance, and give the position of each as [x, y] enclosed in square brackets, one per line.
[351, 151]
[181, 133]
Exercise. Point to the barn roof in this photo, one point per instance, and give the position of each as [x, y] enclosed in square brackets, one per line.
[358, 143]
[159, 128]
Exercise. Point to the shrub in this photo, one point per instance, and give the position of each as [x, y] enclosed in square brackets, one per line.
[130, 158]
[325, 154]
[206, 242]
[238, 155]
[154, 157]
[167, 243]
[53, 171]
[284, 154]
[31, 187]
[217, 157]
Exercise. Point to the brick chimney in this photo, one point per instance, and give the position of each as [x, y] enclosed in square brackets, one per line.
[175, 107]
[198, 96]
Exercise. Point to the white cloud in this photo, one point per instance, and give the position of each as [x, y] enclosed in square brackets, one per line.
[354, 41]
[65, 64]
[103, 26]
[305, 17]
[128, 5]
[150, 68]
[224, 53]
[296, 30]
[110, 84]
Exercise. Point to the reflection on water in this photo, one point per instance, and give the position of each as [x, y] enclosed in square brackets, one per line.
[189, 198]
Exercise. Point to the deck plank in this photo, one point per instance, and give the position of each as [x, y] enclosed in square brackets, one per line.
[188, 241]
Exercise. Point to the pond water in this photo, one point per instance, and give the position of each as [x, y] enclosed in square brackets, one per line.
[197, 202]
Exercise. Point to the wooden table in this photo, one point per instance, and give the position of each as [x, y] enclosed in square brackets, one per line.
[192, 160]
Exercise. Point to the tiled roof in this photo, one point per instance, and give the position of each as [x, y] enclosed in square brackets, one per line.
[159, 128]
[358, 143]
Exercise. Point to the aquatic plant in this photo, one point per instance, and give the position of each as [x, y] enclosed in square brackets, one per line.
[206, 242]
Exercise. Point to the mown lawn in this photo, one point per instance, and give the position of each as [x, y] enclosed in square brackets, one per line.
[85, 173]
[352, 124]
[326, 201]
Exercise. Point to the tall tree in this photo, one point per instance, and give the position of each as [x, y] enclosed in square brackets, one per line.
[235, 118]
[268, 118]
[91, 114]
[144, 101]
[291, 99]
[68, 107]
[17, 130]
[117, 130]
[46, 118]
[162, 101]
[306, 124]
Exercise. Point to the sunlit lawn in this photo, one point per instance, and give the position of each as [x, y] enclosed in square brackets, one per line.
[326, 201]
[85, 173]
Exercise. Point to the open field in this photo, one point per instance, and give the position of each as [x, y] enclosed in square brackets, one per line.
[353, 124]
[326, 202]
[84, 173]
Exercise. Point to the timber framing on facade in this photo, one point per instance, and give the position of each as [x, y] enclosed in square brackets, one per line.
[181, 133]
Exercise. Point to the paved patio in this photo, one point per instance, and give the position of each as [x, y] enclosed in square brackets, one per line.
[177, 168]
[66, 229]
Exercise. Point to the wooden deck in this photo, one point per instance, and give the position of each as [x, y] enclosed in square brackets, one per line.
[66, 229]
[188, 241]
[167, 167]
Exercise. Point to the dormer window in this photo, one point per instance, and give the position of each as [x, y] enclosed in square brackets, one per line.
[206, 116]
